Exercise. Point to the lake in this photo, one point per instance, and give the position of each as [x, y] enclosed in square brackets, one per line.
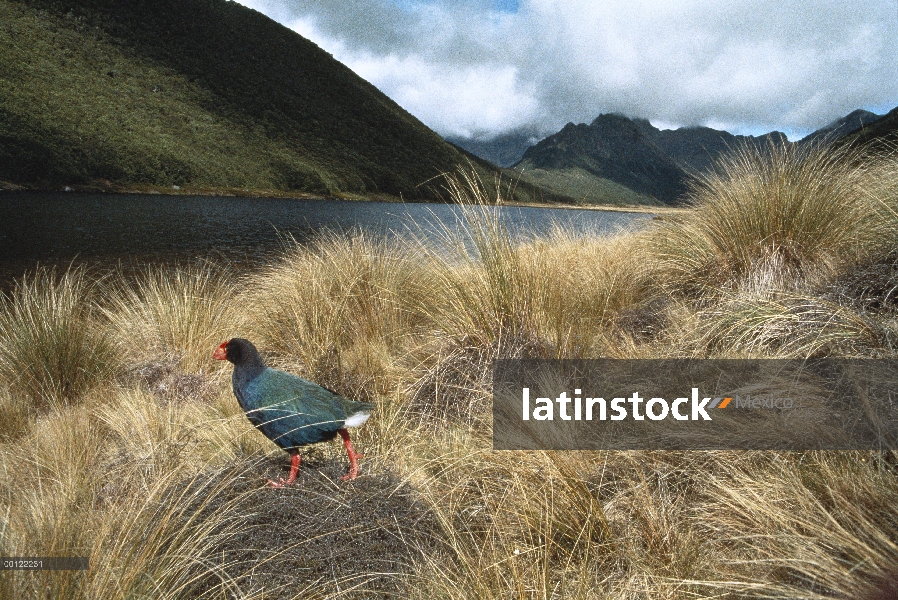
[132, 229]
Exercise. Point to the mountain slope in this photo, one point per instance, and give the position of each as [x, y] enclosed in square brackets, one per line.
[504, 150]
[841, 127]
[199, 93]
[584, 187]
[632, 153]
[613, 147]
[695, 149]
[882, 130]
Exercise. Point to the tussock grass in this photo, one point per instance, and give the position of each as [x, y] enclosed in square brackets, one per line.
[882, 185]
[814, 525]
[144, 461]
[129, 484]
[789, 325]
[167, 546]
[556, 295]
[788, 252]
[52, 348]
[175, 316]
[515, 525]
[15, 412]
[342, 308]
[483, 285]
[784, 212]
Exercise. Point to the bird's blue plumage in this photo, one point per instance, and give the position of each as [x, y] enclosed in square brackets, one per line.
[289, 410]
[292, 411]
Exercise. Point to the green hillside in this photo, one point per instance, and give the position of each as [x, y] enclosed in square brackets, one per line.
[200, 94]
[615, 148]
[585, 187]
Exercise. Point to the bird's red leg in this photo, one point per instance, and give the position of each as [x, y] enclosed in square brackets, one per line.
[353, 456]
[294, 467]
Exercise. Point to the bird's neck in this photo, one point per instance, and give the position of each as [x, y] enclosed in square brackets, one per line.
[243, 375]
[249, 369]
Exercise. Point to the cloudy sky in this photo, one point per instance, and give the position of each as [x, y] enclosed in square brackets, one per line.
[479, 68]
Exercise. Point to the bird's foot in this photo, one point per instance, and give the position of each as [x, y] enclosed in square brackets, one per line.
[280, 483]
[353, 467]
[353, 457]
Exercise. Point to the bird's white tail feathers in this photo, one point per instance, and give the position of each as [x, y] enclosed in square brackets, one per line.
[356, 419]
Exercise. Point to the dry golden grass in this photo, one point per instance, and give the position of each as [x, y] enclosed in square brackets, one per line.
[174, 315]
[52, 348]
[123, 484]
[789, 213]
[559, 293]
[341, 311]
[144, 462]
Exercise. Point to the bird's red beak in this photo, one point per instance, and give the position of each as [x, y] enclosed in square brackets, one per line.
[221, 353]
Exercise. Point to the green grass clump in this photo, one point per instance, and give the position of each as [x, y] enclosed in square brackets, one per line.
[52, 344]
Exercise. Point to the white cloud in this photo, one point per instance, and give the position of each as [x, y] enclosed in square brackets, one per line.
[467, 101]
[464, 99]
[467, 68]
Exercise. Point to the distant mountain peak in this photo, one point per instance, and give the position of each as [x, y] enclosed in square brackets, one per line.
[842, 126]
[612, 116]
[883, 129]
[502, 150]
[634, 153]
[613, 147]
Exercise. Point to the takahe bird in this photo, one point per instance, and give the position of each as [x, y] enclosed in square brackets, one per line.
[289, 410]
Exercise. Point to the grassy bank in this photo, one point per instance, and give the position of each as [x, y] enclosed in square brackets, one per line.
[122, 441]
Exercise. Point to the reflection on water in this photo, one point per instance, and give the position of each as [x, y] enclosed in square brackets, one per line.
[108, 229]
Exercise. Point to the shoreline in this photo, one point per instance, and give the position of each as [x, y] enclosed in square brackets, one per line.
[217, 192]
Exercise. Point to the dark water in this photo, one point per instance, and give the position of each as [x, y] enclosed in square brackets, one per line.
[109, 229]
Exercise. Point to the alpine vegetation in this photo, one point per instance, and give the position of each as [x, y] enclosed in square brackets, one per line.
[122, 440]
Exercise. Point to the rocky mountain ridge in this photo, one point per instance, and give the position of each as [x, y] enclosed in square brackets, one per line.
[649, 161]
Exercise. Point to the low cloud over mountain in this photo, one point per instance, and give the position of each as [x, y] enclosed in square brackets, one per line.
[480, 68]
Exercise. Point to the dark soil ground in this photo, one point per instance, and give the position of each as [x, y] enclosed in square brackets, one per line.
[322, 536]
